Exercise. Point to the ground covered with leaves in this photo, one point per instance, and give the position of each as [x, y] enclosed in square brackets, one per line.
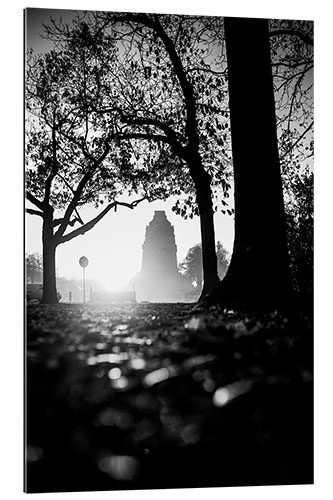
[142, 396]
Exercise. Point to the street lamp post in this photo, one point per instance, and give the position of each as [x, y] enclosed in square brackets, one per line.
[83, 261]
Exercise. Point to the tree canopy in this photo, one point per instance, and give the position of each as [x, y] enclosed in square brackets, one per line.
[142, 101]
[146, 91]
[74, 154]
[146, 94]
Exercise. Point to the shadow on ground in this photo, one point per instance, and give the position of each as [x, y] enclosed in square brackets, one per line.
[155, 396]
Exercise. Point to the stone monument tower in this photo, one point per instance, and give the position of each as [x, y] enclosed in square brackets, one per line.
[159, 249]
[159, 280]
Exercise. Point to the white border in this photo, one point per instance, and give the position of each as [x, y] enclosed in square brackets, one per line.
[11, 375]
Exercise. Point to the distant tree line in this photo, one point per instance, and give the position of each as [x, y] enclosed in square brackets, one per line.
[70, 288]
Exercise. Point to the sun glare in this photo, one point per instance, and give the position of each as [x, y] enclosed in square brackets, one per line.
[114, 275]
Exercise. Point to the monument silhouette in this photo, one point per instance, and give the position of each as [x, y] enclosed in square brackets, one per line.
[159, 279]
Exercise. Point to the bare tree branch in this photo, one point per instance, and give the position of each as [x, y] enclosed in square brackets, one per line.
[290, 78]
[89, 225]
[53, 172]
[179, 150]
[57, 222]
[39, 204]
[130, 120]
[207, 70]
[34, 212]
[78, 192]
[78, 217]
[293, 66]
[303, 36]
[298, 140]
[153, 22]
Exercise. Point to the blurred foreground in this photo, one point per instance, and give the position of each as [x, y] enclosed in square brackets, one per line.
[155, 396]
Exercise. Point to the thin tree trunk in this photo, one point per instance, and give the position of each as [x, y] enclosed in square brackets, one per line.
[49, 275]
[209, 261]
[200, 177]
[199, 275]
[205, 206]
[258, 274]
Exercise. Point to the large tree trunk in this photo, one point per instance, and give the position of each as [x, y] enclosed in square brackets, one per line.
[49, 274]
[258, 275]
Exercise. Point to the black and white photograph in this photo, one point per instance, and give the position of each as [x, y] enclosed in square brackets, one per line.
[168, 253]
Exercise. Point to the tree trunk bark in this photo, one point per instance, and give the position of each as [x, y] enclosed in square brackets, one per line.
[258, 275]
[199, 275]
[205, 206]
[49, 274]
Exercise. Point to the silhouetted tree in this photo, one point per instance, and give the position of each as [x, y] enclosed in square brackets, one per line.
[172, 90]
[291, 44]
[191, 267]
[299, 216]
[169, 90]
[258, 275]
[73, 156]
[166, 91]
[292, 64]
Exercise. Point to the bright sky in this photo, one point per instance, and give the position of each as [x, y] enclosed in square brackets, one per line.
[114, 245]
